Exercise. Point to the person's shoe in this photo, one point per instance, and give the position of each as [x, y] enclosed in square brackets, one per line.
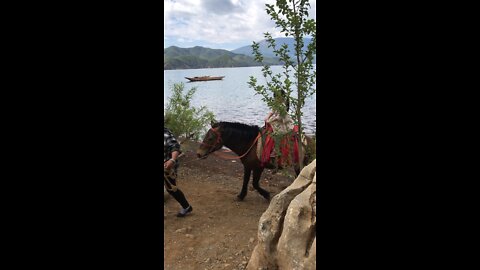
[185, 211]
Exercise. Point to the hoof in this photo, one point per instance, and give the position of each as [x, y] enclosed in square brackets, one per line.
[239, 198]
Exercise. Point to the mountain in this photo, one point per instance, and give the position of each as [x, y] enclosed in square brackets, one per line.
[268, 52]
[200, 57]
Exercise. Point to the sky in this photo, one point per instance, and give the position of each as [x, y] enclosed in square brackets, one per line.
[218, 24]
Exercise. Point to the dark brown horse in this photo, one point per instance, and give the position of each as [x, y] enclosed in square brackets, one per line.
[242, 140]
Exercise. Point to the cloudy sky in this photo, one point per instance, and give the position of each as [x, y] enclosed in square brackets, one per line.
[218, 24]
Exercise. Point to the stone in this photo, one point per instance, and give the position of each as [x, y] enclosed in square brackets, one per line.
[286, 236]
[182, 230]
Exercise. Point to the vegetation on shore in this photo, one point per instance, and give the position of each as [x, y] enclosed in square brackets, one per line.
[291, 16]
[182, 118]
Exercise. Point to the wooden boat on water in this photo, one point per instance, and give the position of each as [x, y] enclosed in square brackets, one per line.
[204, 78]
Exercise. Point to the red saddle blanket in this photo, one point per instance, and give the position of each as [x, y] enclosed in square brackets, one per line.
[284, 157]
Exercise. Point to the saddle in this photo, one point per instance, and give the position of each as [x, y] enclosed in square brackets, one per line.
[267, 145]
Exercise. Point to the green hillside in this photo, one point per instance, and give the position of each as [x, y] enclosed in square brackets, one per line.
[200, 57]
[268, 52]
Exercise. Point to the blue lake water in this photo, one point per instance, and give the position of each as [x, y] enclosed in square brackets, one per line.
[231, 99]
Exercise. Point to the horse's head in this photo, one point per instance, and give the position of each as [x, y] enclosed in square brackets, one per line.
[211, 143]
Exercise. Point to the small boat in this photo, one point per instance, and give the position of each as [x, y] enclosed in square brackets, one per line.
[204, 78]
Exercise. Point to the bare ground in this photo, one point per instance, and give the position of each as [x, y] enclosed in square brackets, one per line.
[221, 232]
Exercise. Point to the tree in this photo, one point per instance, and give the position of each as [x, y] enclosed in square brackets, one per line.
[291, 16]
[183, 119]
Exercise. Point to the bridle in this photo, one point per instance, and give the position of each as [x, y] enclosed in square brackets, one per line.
[218, 141]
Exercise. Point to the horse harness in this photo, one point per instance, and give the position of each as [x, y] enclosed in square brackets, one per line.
[219, 139]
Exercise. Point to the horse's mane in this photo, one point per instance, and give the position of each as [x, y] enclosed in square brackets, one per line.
[238, 130]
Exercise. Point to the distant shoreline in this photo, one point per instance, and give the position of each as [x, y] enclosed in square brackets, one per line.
[216, 67]
[175, 58]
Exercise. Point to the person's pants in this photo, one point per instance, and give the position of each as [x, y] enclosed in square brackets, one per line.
[178, 194]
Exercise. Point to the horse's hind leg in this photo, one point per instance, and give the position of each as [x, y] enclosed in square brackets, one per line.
[297, 170]
[256, 178]
[306, 160]
[246, 178]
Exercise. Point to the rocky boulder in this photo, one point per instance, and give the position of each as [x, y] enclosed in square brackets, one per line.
[287, 229]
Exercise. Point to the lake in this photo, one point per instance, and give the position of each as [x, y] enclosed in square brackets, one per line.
[231, 99]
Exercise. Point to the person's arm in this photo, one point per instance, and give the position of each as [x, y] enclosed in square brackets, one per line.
[171, 162]
[174, 148]
[175, 155]
[268, 116]
[274, 117]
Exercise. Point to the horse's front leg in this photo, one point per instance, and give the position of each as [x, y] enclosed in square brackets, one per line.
[257, 173]
[246, 178]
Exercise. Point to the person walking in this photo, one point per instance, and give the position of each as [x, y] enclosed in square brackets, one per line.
[171, 151]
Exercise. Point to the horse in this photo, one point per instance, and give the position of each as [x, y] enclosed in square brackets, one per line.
[242, 140]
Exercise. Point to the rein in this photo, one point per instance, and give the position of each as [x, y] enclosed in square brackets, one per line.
[239, 157]
[183, 163]
[217, 141]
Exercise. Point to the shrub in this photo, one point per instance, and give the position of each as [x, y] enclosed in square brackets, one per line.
[182, 118]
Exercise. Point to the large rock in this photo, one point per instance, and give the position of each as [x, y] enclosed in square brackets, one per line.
[286, 231]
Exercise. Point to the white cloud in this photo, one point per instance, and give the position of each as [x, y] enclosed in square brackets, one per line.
[219, 21]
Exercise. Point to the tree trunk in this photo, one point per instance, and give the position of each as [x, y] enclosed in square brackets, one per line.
[300, 150]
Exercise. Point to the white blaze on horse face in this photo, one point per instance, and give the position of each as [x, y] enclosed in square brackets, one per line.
[201, 149]
[209, 143]
[204, 146]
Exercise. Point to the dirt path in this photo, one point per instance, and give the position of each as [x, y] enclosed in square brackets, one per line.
[220, 233]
